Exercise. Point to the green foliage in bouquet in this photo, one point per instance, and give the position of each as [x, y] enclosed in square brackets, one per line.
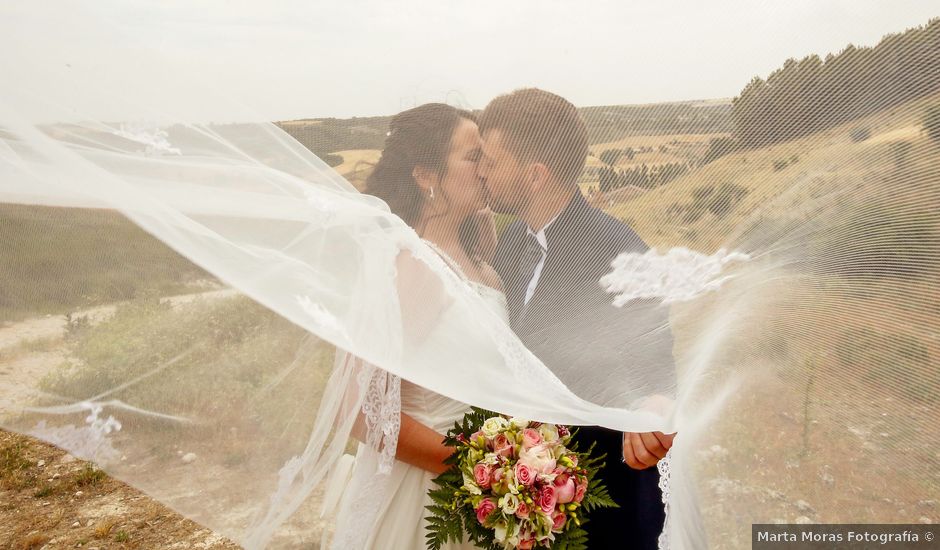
[453, 511]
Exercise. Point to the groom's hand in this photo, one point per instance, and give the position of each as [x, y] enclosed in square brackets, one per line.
[643, 450]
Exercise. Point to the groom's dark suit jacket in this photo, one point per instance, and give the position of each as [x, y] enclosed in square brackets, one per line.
[570, 325]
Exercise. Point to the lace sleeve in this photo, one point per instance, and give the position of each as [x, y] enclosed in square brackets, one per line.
[381, 409]
[380, 394]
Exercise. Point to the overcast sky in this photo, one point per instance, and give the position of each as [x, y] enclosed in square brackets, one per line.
[291, 59]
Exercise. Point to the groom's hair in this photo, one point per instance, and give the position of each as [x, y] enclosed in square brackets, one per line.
[539, 126]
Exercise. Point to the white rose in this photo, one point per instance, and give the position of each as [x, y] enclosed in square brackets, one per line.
[495, 425]
[548, 432]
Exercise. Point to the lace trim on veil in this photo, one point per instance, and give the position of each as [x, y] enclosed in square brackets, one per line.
[665, 474]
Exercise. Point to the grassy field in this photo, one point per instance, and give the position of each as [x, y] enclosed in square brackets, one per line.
[357, 165]
[54, 259]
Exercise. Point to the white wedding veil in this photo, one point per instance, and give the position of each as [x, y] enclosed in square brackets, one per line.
[233, 312]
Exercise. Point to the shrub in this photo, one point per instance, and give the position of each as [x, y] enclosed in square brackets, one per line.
[859, 133]
[719, 147]
[718, 201]
[726, 198]
[890, 360]
[611, 156]
[932, 122]
[900, 152]
[332, 159]
[75, 325]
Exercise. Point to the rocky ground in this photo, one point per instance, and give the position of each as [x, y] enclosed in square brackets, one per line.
[49, 499]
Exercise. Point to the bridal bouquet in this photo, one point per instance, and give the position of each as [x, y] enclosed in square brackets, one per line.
[514, 484]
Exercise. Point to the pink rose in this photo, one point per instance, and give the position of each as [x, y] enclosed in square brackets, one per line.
[477, 437]
[566, 491]
[481, 474]
[539, 458]
[580, 490]
[522, 511]
[548, 498]
[502, 446]
[530, 438]
[485, 508]
[558, 521]
[524, 474]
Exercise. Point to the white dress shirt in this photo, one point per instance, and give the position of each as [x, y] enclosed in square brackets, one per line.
[543, 242]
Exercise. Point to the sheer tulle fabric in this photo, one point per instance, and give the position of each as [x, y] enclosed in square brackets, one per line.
[236, 408]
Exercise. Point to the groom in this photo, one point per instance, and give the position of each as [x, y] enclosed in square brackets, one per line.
[551, 260]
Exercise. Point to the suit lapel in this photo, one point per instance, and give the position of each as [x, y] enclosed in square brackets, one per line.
[561, 236]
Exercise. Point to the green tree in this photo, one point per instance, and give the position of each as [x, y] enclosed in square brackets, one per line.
[719, 147]
[611, 156]
[809, 95]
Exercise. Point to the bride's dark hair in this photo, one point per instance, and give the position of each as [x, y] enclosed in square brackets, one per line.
[420, 136]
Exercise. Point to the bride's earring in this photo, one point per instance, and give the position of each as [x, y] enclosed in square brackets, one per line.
[431, 194]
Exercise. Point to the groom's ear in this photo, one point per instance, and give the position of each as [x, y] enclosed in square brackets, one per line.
[537, 175]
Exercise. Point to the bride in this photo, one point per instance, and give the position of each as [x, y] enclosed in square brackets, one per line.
[427, 175]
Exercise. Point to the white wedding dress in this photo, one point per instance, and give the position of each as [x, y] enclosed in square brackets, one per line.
[400, 523]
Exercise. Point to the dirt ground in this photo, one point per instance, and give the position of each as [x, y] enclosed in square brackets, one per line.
[49, 499]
